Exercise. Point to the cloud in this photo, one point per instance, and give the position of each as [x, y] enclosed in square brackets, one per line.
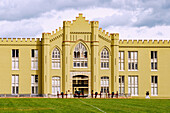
[47, 22]
[154, 33]
[137, 19]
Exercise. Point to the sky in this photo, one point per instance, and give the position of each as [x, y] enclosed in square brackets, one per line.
[132, 19]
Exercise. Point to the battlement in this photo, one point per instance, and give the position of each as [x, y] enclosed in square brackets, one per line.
[104, 33]
[79, 18]
[144, 42]
[94, 23]
[20, 40]
[66, 23]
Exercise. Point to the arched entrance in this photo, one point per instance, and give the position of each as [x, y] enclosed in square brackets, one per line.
[80, 83]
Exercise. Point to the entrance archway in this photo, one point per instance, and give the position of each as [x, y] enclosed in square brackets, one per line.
[80, 83]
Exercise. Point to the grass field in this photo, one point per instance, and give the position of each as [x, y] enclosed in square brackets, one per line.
[83, 105]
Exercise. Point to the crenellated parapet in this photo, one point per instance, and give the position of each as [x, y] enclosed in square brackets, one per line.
[103, 34]
[20, 41]
[57, 34]
[129, 43]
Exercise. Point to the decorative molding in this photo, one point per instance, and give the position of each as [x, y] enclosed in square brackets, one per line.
[80, 33]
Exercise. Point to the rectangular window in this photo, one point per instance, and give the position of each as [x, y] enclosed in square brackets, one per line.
[15, 84]
[34, 84]
[15, 59]
[133, 85]
[154, 85]
[132, 61]
[121, 60]
[121, 84]
[104, 84]
[34, 59]
[55, 85]
[154, 60]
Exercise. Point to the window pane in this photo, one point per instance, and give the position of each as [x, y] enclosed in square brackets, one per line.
[152, 79]
[122, 79]
[13, 90]
[36, 53]
[156, 81]
[36, 89]
[151, 54]
[17, 53]
[32, 90]
[152, 66]
[129, 55]
[32, 52]
[16, 89]
[155, 65]
[13, 53]
[155, 54]
[129, 65]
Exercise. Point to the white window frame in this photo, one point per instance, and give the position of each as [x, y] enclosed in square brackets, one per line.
[104, 59]
[133, 85]
[15, 59]
[15, 85]
[154, 61]
[132, 61]
[34, 84]
[104, 85]
[34, 59]
[55, 59]
[121, 61]
[56, 85]
[121, 84]
[80, 56]
[154, 86]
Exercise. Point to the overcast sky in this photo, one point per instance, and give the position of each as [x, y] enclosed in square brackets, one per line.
[133, 19]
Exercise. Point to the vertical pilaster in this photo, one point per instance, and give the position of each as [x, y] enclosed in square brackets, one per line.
[115, 62]
[45, 63]
[66, 57]
[94, 56]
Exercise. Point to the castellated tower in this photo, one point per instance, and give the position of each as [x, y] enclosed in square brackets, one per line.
[94, 55]
[115, 61]
[66, 56]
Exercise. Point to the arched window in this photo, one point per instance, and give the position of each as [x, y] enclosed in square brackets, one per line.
[104, 59]
[80, 56]
[56, 59]
[104, 84]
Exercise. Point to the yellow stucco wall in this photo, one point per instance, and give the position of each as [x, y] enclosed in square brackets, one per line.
[95, 40]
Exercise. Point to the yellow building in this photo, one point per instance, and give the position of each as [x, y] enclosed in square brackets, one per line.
[81, 56]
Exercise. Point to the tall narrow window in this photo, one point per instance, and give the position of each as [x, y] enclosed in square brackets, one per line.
[15, 84]
[56, 59]
[154, 85]
[121, 60]
[34, 84]
[104, 84]
[80, 56]
[15, 59]
[121, 85]
[132, 61]
[34, 59]
[55, 85]
[133, 85]
[154, 60]
[104, 59]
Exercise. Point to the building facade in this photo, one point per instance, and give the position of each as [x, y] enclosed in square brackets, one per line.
[82, 57]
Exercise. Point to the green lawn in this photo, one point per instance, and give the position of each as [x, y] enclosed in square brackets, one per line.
[83, 105]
